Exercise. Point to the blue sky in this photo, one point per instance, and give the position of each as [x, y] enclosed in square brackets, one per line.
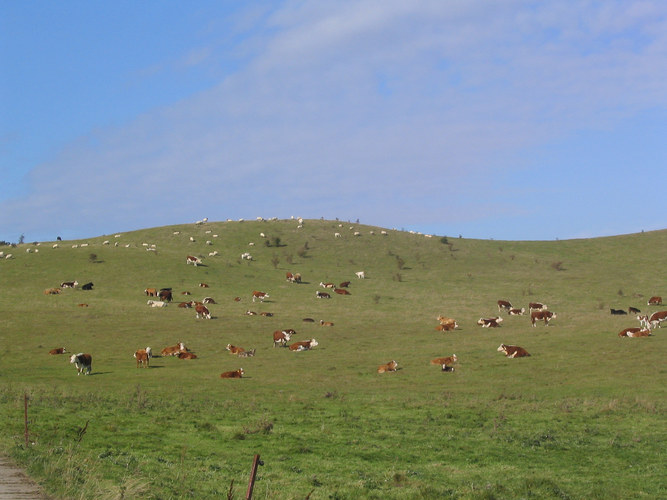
[518, 120]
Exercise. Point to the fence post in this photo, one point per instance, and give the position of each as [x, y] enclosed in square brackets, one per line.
[255, 463]
[25, 417]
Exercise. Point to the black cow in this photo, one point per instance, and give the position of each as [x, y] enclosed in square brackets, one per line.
[618, 311]
[87, 286]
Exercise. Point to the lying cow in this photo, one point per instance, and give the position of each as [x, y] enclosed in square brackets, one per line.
[235, 350]
[69, 284]
[322, 295]
[392, 366]
[235, 374]
[537, 306]
[446, 362]
[186, 355]
[513, 351]
[174, 350]
[156, 303]
[58, 350]
[517, 312]
[83, 363]
[490, 322]
[305, 345]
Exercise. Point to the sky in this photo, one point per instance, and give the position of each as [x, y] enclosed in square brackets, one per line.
[512, 120]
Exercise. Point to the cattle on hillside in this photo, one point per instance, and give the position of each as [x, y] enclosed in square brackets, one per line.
[235, 374]
[259, 295]
[655, 301]
[83, 363]
[545, 316]
[513, 351]
[392, 366]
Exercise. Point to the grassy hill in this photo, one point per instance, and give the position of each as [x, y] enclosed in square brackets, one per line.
[583, 417]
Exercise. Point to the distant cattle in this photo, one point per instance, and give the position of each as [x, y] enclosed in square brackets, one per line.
[344, 284]
[202, 312]
[142, 357]
[82, 305]
[517, 312]
[657, 318]
[545, 316]
[308, 320]
[635, 332]
[322, 295]
[83, 363]
[247, 354]
[209, 300]
[173, 350]
[259, 295]
[88, 286]
[281, 337]
[185, 305]
[448, 323]
[57, 350]
[165, 295]
[250, 313]
[305, 345]
[633, 310]
[536, 306]
[504, 305]
[392, 366]
[655, 301]
[235, 374]
[52, 291]
[266, 314]
[617, 312]
[326, 323]
[203, 285]
[447, 361]
[151, 292]
[513, 351]
[195, 261]
[341, 291]
[446, 327]
[327, 285]
[490, 322]
[186, 355]
[360, 274]
[69, 284]
[235, 350]
[293, 278]
[156, 303]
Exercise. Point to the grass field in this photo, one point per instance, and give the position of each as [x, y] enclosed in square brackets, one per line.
[583, 417]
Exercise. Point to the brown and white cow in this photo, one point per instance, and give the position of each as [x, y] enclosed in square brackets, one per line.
[537, 306]
[657, 318]
[185, 305]
[326, 323]
[444, 320]
[322, 295]
[655, 301]
[447, 327]
[305, 345]
[83, 363]
[69, 284]
[57, 350]
[545, 316]
[259, 295]
[151, 292]
[341, 291]
[641, 333]
[266, 314]
[490, 322]
[235, 374]
[327, 285]
[517, 312]
[281, 337]
[513, 351]
[191, 259]
[52, 291]
[392, 366]
[447, 361]
[344, 284]
[209, 300]
[235, 350]
[165, 295]
[156, 303]
[504, 305]
[174, 350]
[202, 312]
[142, 357]
[186, 355]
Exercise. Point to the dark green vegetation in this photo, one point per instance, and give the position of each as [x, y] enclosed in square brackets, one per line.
[583, 417]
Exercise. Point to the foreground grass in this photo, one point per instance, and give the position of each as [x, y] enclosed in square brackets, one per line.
[583, 417]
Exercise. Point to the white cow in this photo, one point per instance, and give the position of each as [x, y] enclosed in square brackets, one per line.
[361, 274]
[156, 303]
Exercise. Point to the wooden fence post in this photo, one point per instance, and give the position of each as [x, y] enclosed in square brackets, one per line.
[25, 417]
[255, 463]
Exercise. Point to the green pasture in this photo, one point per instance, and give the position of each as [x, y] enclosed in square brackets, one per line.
[583, 417]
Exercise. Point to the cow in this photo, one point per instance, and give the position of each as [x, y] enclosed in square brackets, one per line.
[657, 318]
[185, 305]
[655, 301]
[203, 285]
[305, 345]
[445, 362]
[209, 300]
[641, 333]
[360, 274]
[392, 366]
[69, 284]
[83, 363]
[344, 284]
[490, 322]
[513, 351]
[57, 350]
[186, 355]
[202, 312]
[447, 327]
[545, 316]
[326, 323]
[341, 291]
[337, 235]
[633, 310]
[52, 291]
[327, 285]
[235, 374]
[156, 303]
[250, 313]
[88, 286]
[195, 261]
[247, 354]
[322, 295]
[234, 349]
[618, 312]
[266, 314]
[297, 278]
[281, 337]
[151, 292]
[259, 295]
[308, 320]
[174, 350]
[165, 295]
[289, 276]
[504, 305]
[537, 306]
[517, 312]
[142, 357]
[82, 305]
[450, 322]
[630, 332]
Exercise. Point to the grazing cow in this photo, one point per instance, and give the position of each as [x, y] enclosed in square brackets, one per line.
[536, 306]
[156, 303]
[289, 276]
[392, 366]
[322, 295]
[191, 259]
[447, 327]
[344, 284]
[186, 355]
[234, 349]
[259, 295]
[142, 357]
[503, 304]
[209, 300]
[326, 323]
[57, 350]
[513, 351]
[297, 277]
[655, 301]
[69, 284]
[87, 286]
[633, 310]
[237, 299]
[246, 256]
[203, 285]
[617, 311]
[202, 311]
[305, 345]
[341, 291]
[174, 350]
[337, 235]
[446, 361]
[281, 337]
[52, 291]
[83, 363]
[327, 285]
[360, 274]
[165, 295]
[490, 322]
[657, 318]
[151, 292]
[235, 374]
[545, 316]
[517, 312]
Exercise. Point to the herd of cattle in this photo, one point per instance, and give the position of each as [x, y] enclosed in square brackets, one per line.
[538, 312]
